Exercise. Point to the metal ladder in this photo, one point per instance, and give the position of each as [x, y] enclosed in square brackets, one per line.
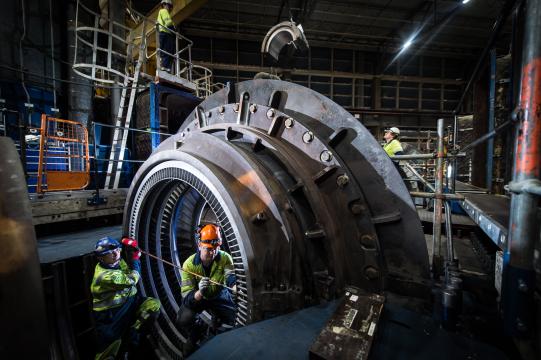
[122, 126]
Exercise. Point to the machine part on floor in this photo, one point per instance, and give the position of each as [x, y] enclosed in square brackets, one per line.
[285, 35]
[22, 305]
[296, 230]
[350, 331]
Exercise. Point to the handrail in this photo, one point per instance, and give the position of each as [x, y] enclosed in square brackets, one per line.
[107, 64]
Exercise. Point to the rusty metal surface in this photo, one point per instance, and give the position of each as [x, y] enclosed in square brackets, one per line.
[350, 331]
[306, 197]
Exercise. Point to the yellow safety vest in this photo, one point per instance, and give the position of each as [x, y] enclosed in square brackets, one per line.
[112, 287]
[392, 147]
[164, 19]
[222, 268]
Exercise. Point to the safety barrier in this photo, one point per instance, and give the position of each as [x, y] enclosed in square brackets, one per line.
[100, 47]
[63, 155]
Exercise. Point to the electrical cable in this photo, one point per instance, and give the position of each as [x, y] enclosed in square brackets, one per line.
[66, 81]
[21, 57]
[52, 51]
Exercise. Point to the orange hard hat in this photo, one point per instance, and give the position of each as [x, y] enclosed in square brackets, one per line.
[209, 236]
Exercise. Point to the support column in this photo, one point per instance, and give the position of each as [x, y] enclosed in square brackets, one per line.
[519, 273]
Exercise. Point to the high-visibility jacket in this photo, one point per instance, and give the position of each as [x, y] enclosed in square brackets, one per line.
[165, 21]
[393, 147]
[221, 271]
[113, 287]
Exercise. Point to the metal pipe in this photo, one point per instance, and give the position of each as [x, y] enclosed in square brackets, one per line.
[96, 185]
[52, 52]
[420, 177]
[21, 56]
[487, 136]
[453, 161]
[449, 231]
[442, 196]
[436, 229]
[131, 129]
[518, 270]
[426, 156]
[491, 119]
[531, 186]
[496, 28]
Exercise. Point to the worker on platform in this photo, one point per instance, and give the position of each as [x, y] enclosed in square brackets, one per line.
[120, 312]
[392, 145]
[166, 29]
[208, 264]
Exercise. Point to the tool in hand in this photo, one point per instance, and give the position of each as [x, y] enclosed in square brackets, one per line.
[189, 272]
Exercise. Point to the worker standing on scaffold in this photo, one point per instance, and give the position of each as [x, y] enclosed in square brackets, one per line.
[392, 145]
[208, 264]
[167, 37]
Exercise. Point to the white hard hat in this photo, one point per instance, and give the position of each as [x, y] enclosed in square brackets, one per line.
[394, 130]
[166, 2]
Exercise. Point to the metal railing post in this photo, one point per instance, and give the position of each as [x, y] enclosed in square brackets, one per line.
[158, 47]
[177, 56]
[436, 229]
[453, 161]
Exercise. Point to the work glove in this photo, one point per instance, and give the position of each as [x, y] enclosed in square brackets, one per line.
[132, 250]
[204, 284]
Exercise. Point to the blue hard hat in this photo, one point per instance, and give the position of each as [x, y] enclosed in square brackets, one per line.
[106, 245]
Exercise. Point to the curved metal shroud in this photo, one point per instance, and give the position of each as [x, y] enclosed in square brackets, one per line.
[308, 201]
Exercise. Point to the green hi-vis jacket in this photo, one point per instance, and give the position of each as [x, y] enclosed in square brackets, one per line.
[222, 272]
[165, 21]
[392, 147]
[112, 287]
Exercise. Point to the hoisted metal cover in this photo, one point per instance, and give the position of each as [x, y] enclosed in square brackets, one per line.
[284, 34]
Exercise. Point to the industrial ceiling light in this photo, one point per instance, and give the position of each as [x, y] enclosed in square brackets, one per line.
[465, 1]
[407, 44]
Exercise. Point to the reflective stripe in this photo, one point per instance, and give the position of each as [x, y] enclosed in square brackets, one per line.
[118, 298]
[222, 268]
[392, 147]
[228, 272]
[187, 282]
[111, 287]
[164, 19]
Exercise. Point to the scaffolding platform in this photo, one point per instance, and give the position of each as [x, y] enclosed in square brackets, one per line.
[490, 212]
[163, 76]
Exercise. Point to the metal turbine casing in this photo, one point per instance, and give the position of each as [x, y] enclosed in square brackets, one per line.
[307, 199]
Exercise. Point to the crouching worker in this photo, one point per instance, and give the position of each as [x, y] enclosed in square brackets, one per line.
[198, 293]
[120, 312]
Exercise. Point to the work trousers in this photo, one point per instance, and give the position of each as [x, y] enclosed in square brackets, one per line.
[124, 321]
[222, 305]
[167, 43]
